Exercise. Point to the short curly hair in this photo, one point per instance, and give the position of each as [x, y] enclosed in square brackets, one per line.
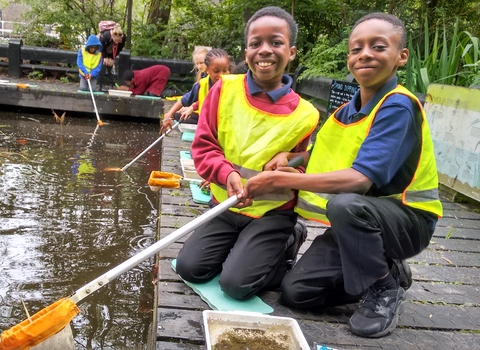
[397, 24]
[273, 11]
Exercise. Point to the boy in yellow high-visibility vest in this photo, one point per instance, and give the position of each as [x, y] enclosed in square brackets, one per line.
[371, 176]
[244, 121]
[89, 61]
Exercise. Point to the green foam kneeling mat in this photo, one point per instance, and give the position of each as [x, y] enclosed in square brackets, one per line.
[188, 136]
[211, 293]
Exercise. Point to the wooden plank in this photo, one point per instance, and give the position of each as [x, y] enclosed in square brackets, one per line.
[445, 274]
[461, 245]
[190, 301]
[461, 214]
[185, 325]
[463, 223]
[442, 293]
[73, 101]
[457, 233]
[448, 258]
[164, 345]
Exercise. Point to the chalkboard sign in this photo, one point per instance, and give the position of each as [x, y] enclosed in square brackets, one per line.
[340, 93]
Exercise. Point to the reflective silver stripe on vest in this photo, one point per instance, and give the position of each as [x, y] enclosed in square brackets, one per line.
[303, 204]
[419, 196]
[284, 195]
[245, 172]
[326, 196]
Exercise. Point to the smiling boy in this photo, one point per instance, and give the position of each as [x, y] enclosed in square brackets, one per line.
[372, 177]
[245, 121]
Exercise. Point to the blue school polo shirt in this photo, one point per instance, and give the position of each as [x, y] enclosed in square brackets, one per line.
[275, 95]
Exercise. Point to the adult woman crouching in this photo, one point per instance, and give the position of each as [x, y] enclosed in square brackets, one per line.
[113, 42]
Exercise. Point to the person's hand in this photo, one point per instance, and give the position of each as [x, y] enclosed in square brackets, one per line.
[108, 62]
[185, 112]
[235, 188]
[167, 124]
[123, 87]
[280, 160]
[204, 186]
[258, 185]
[88, 76]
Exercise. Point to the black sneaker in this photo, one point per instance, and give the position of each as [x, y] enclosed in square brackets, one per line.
[378, 313]
[294, 243]
[401, 271]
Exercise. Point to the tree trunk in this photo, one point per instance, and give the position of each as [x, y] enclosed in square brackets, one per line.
[159, 12]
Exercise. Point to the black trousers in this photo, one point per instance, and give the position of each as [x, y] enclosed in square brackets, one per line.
[365, 234]
[192, 120]
[101, 76]
[248, 252]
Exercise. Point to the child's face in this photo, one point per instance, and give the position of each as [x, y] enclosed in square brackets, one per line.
[92, 49]
[374, 53]
[218, 66]
[199, 60]
[268, 51]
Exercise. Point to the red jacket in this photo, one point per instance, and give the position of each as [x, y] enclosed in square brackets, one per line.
[211, 164]
[152, 79]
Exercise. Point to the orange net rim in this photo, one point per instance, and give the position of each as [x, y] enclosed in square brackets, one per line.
[43, 325]
[164, 179]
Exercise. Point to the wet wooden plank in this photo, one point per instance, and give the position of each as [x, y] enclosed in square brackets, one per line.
[183, 325]
[65, 97]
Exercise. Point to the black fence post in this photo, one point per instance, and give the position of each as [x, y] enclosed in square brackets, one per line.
[297, 73]
[123, 64]
[15, 58]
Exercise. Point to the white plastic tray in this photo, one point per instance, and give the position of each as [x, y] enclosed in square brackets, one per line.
[187, 127]
[189, 171]
[119, 93]
[284, 330]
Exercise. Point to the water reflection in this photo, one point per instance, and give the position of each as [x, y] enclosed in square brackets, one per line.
[64, 221]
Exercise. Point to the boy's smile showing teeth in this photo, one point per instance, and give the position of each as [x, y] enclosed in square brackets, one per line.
[265, 64]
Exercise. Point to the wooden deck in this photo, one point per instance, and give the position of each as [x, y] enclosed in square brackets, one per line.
[64, 97]
[442, 311]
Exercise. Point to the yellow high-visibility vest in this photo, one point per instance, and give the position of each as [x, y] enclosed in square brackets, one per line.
[336, 148]
[251, 137]
[90, 61]
[202, 92]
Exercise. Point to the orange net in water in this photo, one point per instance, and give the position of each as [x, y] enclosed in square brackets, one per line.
[44, 324]
[160, 179]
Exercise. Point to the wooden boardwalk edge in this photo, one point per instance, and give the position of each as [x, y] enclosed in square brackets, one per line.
[442, 309]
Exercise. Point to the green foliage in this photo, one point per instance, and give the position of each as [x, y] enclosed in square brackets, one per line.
[326, 60]
[64, 79]
[36, 75]
[453, 60]
[71, 21]
[321, 41]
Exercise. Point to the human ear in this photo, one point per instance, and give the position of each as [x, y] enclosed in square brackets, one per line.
[293, 53]
[403, 57]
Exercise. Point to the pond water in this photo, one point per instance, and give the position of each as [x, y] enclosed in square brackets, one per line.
[66, 218]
